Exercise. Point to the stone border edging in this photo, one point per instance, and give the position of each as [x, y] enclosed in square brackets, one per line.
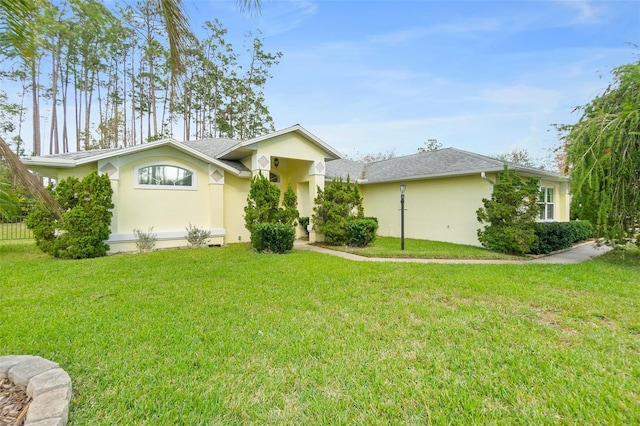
[47, 384]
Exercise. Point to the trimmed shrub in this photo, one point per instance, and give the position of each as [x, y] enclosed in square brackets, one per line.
[510, 214]
[338, 203]
[145, 241]
[554, 236]
[273, 237]
[197, 237]
[262, 203]
[361, 232]
[289, 212]
[303, 221]
[84, 226]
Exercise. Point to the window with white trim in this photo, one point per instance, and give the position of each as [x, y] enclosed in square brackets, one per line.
[274, 177]
[165, 176]
[546, 203]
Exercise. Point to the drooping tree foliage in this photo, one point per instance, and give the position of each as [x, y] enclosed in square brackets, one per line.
[510, 214]
[603, 152]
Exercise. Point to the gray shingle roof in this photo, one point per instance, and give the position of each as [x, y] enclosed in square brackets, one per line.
[209, 148]
[344, 168]
[439, 163]
[212, 147]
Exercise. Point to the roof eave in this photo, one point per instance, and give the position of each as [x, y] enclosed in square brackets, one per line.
[70, 163]
[459, 174]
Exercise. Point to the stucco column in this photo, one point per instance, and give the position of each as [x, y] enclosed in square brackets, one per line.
[216, 200]
[316, 180]
[260, 163]
[111, 168]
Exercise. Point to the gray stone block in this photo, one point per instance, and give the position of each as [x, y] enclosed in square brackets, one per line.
[47, 422]
[47, 381]
[9, 361]
[21, 373]
[49, 405]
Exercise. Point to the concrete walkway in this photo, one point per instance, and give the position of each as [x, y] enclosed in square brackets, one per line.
[576, 254]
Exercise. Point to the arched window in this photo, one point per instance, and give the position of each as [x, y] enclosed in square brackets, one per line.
[165, 175]
[274, 177]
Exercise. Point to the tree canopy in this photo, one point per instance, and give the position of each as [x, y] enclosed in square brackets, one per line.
[603, 153]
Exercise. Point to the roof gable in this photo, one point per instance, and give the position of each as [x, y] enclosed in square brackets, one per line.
[246, 148]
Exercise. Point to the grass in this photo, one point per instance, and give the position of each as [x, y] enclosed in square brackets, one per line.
[390, 247]
[228, 336]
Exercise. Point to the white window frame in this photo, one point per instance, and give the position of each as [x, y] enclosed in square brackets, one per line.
[273, 174]
[547, 206]
[192, 187]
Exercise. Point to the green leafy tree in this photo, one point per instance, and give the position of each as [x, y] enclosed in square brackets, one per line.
[510, 214]
[289, 212]
[335, 206]
[603, 152]
[262, 203]
[83, 228]
[272, 227]
[430, 145]
[8, 206]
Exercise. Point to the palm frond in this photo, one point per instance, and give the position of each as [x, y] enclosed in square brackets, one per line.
[178, 33]
[28, 179]
[252, 6]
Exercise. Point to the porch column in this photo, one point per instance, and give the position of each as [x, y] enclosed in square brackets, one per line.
[316, 180]
[216, 204]
[260, 163]
[111, 168]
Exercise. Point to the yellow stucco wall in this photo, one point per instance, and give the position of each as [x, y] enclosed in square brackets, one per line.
[291, 145]
[442, 209]
[562, 199]
[235, 199]
[167, 210]
[436, 209]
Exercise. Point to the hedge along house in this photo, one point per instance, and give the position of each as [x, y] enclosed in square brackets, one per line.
[168, 184]
[444, 189]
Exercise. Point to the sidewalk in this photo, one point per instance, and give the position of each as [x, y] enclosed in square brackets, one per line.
[576, 254]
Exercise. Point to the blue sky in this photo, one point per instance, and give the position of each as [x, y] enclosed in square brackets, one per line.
[484, 76]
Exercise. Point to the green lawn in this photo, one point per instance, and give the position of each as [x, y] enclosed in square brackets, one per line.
[225, 335]
[390, 247]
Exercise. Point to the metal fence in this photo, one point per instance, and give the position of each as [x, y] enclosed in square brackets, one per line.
[15, 229]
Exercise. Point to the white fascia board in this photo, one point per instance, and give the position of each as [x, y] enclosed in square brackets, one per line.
[150, 145]
[546, 175]
[49, 162]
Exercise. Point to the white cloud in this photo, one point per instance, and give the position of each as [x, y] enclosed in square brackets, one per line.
[282, 16]
[587, 11]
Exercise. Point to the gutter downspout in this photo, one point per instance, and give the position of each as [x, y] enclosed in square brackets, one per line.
[484, 176]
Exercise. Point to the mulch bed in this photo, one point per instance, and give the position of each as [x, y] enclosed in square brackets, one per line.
[14, 403]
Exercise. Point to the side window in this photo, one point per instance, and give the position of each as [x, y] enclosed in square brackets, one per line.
[165, 176]
[274, 177]
[546, 203]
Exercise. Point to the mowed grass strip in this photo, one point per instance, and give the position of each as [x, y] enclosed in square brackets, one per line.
[425, 249]
[228, 336]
